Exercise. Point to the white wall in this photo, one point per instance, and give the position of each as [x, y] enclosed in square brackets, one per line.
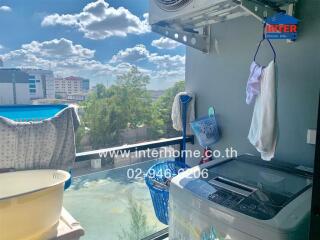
[22, 93]
[39, 87]
[50, 86]
[6, 93]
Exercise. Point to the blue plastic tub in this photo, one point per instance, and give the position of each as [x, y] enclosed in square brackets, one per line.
[157, 179]
[26, 113]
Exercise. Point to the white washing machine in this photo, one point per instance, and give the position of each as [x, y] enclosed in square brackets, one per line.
[243, 198]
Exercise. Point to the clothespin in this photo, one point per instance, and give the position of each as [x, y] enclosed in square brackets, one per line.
[211, 111]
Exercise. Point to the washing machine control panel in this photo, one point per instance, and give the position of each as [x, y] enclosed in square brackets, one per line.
[225, 199]
[244, 204]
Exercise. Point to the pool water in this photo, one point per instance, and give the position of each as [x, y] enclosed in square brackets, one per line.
[111, 206]
[30, 112]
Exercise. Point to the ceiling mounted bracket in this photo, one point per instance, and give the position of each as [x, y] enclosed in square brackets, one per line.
[261, 9]
[195, 39]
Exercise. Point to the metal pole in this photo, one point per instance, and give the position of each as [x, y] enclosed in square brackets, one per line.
[184, 99]
[314, 232]
[14, 88]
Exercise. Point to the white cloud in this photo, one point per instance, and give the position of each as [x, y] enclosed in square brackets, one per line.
[167, 68]
[5, 8]
[61, 55]
[98, 20]
[58, 48]
[140, 52]
[167, 61]
[56, 19]
[137, 53]
[1, 47]
[66, 58]
[165, 43]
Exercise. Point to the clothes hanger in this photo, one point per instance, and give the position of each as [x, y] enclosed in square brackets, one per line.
[264, 38]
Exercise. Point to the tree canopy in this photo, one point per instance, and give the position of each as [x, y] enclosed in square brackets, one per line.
[161, 112]
[127, 104]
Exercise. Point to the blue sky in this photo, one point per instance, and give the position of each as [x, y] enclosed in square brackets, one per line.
[93, 39]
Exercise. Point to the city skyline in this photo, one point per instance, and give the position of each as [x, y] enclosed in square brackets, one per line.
[91, 39]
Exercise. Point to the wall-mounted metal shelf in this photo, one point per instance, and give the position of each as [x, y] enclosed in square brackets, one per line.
[189, 37]
[194, 29]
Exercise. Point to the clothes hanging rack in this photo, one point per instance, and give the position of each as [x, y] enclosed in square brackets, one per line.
[194, 30]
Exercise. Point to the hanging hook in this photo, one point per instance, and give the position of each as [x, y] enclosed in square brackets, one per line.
[264, 29]
[264, 38]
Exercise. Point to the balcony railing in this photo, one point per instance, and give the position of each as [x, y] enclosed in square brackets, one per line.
[97, 154]
[84, 156]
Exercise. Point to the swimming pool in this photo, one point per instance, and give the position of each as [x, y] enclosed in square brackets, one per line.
[110, 206]
[30, 112]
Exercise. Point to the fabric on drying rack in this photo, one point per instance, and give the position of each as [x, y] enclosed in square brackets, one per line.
[254, 82]
[43, 144]
[263, 129]
[176, 114]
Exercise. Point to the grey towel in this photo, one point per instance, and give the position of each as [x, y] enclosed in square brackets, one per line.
[43, 144]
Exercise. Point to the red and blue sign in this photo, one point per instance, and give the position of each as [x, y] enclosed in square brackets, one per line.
[281, 26]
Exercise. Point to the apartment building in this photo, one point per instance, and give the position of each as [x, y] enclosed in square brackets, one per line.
[14, 86]
[41, 83]
[85, 85]
[69, 86]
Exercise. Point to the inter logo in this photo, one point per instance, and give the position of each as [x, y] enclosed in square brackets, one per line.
[281, 26]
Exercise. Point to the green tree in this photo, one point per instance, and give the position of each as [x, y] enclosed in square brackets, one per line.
[79, 135]
[139, 228]
[125, 104]
[161, 112]
[132, 97]
[101, 91]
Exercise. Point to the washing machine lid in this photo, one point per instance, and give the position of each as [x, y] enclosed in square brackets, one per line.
[248, 185]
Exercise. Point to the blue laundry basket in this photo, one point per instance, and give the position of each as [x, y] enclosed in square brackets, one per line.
[158, 180]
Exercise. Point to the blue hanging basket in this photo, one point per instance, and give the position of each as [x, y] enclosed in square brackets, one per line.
[158, 180]
[206, 130]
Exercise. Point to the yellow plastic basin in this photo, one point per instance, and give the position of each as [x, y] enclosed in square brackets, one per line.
[30, 203]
